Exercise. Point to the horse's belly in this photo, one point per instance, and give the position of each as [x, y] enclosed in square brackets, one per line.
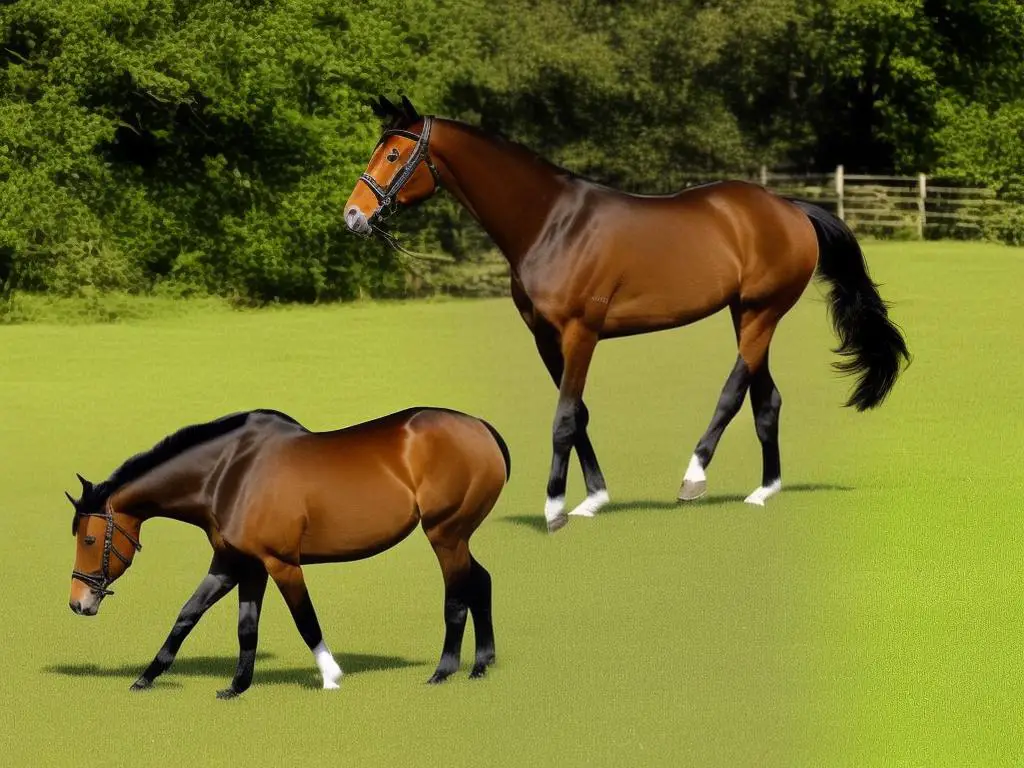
[357, 519]
[668, 304]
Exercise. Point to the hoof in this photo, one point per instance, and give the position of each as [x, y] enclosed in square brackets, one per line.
[228, 693]
[557, 523]
[762, 494]
[481, 664]
[142, 684]
[691, 490]
[554, 513]
[439, 677]
[590, 505]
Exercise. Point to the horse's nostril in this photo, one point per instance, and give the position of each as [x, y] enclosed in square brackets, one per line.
[76, 606]
[355, 220]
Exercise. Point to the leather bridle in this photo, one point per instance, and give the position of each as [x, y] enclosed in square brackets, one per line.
[387, 197]
[98, 582]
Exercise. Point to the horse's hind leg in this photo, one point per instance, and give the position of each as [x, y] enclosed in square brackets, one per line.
[479, 594]
[754, 330]
[454, 558]
[695, 480]
[766, 402]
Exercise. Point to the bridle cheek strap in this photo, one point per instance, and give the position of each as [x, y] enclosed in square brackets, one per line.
[387, 198]
[98, 582]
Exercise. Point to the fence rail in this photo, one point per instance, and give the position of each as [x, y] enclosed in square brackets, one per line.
[883, 203]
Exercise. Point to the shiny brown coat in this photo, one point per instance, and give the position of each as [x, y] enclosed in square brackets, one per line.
[272, 496]
[588, 263]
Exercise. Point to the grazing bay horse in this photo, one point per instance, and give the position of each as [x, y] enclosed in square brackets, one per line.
[272, 496]
[589, 263]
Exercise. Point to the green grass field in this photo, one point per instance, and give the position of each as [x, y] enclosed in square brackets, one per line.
[869, 615]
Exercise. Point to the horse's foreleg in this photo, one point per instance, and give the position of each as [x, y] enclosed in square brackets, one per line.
[251, 588]
[220, 580]
[549, 347]
[578, 343]
[290, 581]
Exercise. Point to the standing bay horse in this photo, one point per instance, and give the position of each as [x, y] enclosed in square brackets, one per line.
[272, 496]
[589, 263]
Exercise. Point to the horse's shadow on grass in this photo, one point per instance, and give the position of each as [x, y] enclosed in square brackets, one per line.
[538, 523]
[224, 667]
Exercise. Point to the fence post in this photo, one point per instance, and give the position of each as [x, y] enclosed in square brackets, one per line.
[764, 175]
[922, 194]
[840, 187]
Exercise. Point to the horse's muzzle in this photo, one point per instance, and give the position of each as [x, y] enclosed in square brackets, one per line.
[356, 222]
[84, 610]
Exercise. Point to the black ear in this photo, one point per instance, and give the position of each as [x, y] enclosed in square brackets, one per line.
[383, 108]
[86, 485]
[74, 502]
[409, 110]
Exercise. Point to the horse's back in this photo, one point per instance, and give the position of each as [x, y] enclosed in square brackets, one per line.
[672, 260]
[360, 490]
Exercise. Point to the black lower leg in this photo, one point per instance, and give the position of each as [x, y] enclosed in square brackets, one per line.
[212, 588]
[592, 475]
[563, 434]
[251, 590]
[455, 611]
[549, 346]
[479, 595]
[766, 402]
[729, 403]
[306, 621]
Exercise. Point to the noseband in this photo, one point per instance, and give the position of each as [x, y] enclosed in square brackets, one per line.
[98, 582]
[386, 198]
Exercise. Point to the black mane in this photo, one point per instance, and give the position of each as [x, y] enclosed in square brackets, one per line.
[174, 445]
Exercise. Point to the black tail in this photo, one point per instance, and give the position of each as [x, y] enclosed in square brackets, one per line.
[872, 344]
[503, 446]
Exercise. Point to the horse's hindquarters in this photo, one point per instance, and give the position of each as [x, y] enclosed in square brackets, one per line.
[364, 491]
[458, 468]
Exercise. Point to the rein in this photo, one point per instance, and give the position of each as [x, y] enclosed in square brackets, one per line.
[98, 581]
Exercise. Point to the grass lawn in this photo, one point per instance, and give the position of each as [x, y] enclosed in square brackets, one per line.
[869, 615]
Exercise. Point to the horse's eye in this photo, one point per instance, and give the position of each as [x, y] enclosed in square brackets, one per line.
[393, 155]
[89, 539]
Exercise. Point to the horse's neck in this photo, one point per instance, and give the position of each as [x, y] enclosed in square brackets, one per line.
[174, 491]
[508, 189]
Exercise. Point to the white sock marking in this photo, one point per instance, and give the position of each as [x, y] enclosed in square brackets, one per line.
[591, 504]
[764, 493]
[695, 471]
[554, 508]
[328, 666]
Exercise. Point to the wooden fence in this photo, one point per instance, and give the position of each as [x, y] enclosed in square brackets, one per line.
[884, 204]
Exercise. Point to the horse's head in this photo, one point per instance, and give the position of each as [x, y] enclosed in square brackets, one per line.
[103, 551]
[400, 170]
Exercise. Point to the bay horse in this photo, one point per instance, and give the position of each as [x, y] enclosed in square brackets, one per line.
[272, 496]
[588, 262]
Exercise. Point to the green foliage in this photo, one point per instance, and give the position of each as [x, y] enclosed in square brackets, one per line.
[207, 144]
[197, 147]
